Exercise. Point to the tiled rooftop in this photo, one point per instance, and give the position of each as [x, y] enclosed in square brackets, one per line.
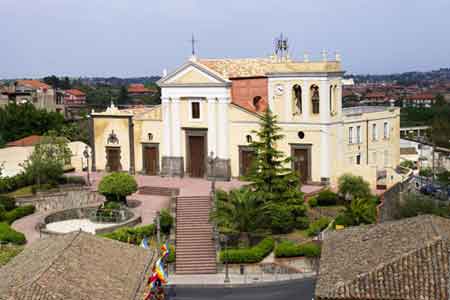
[405, 259]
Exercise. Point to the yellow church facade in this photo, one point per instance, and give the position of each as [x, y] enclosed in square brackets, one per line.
[210, 108]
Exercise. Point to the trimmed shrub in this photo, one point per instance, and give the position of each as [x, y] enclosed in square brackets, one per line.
[9, 235]
[17, 213]
[313, 201]
[9, 184]
[117, 186]
[248, 255]
[165, 221]
[326, 198]
[343, 219]
[7, 203]
[290, 249]
[302, 223]
[131, 235]
[317, 226]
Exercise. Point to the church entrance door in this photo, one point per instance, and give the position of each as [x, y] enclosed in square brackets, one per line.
[196, 161]
[113, 159]
[151, 160]
[301, 163]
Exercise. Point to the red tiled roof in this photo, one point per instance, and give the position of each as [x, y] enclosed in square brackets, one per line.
[75, 92]
[36, 84]
[26, 141]
[376, 95]
[139, 88]
[420, 97]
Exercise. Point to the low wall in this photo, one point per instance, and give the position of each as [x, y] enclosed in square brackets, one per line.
[61, 199]
[279, 266]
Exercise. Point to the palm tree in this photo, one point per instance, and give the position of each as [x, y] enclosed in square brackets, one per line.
[361, 211]
[237, 212]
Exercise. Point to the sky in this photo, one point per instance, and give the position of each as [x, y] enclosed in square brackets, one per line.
[129, 38]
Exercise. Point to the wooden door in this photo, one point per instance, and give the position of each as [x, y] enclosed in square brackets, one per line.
[197, 156]
[247, 161]
[113, 159]
[151, 160]
[301, 164]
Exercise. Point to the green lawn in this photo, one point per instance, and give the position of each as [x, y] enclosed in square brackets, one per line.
[22, 192]
[8, 252]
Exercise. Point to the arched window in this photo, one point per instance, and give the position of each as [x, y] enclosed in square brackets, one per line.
[297, 99]
[257, 102]
[315, 99]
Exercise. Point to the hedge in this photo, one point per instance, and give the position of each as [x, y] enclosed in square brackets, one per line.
[7, 203]
[248, 255]
[326, 198]
[9, 235]
[313, 201]
[290, 249]
[131, 235]
[317, 226]
[17, 213]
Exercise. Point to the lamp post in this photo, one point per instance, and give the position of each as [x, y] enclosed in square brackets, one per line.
[86, 155]
[227, 275]
[212, 163]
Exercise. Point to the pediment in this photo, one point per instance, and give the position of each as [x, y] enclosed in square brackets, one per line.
[192, 73]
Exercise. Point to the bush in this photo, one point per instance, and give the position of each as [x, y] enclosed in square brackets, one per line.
[131, 235]
[408, 164]
[111, 205]
[7, 203]
[165, 221]
[353, 186]
[9, 235]
[317, 226]
[17, 213]
[302, 223]
[289, 249]
[344, 220]
[248, 255]
[9, 184]
[326, 198]
[313, 201]
[426, 172]
[116, 186]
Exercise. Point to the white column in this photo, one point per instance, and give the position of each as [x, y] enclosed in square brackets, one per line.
[339, 100]
[166, 119]
[306, 110]
[176, 128]
[212, 126]
[223, 128]
[324, 92]
[324, 152]
[271, 98]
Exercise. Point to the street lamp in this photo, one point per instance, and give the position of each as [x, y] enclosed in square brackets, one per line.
[86, 155]
[212, 163]
[227, 275]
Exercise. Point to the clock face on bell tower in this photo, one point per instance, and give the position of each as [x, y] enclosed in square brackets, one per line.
[279, 89]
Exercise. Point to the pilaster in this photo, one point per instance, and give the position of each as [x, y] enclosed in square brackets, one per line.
[166, 120]
[324, 92]
[176, 128]
[212, 126]
[306, 102]
[324, 154]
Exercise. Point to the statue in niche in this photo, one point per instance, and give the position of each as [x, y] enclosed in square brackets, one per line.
[112, 138]
[297, 99]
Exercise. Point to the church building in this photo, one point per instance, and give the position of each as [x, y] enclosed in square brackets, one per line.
[209, 108]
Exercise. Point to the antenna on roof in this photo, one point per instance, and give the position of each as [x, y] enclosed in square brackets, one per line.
[281, 47]
[193, 41]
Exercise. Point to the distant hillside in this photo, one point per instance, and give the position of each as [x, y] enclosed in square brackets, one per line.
[407, 78]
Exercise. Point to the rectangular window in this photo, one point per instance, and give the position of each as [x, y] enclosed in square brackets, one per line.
[350, 135]
[358, 159]
[358, 134]
[386, 157]
[386, 130]
[374, 132]
[195, 107]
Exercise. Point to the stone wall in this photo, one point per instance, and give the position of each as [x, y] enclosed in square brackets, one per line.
[391, 200]
[61, 199]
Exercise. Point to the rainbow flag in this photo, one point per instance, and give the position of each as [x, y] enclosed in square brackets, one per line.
[159, 270]
[165, 250]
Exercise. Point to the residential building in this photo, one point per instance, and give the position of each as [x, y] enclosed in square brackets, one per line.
[74, 97]
[405, 259]
[71, 103]
[77, 266]
[39, 94]
[421, 100]
[214, 106]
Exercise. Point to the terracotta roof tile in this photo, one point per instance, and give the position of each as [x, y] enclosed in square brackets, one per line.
[36, 84]
[75, 92]
[406, 259]
[26, 141]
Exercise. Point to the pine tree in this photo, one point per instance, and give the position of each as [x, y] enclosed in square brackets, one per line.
[275, 185]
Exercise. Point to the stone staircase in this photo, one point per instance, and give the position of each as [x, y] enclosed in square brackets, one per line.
[159, 191]
[195, 247]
